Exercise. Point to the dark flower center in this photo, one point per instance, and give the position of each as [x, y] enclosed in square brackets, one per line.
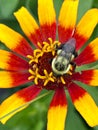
[42, 63]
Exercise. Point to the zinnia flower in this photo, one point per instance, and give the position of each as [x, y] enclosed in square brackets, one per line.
[23, 64]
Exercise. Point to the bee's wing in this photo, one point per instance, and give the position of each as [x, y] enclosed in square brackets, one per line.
[69, 46]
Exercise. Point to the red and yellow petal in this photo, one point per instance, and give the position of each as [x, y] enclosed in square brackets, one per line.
[47, 18]
[57, 111]
[89, 77]
[84, 104]
[89, 54]
[9, 61]
[9, 79]
[14, 41]
[67, 19]
[28, 25]
[85, 27]
[17, 102]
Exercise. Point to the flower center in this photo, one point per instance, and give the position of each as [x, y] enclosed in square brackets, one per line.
[49, 65]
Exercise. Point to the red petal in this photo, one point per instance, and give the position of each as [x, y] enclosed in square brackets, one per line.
[9, 79]
[47, 19]
[14, 41]
[59, 98]
[84, 104]
[67, 19]
[86, 27]
[48, 31]
[89, 77]
[28, 25]
[9, 61]
[89, 54]
[57, 111]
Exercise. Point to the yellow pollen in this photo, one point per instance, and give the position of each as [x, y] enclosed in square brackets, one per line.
[48, 77]
[32, 59]
[39, 44]
[34, 75]
[52, 46]
[69, 72]
[62, 80]
[44, 47]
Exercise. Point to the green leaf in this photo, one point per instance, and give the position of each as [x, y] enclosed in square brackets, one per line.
[84, 5]
[57, 5]
[95, 4]
[74, 120]
[32, 118]
[32, 6]
[7, 7]
[24, 105]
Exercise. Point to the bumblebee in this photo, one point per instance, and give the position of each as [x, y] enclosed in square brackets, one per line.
[66, 53]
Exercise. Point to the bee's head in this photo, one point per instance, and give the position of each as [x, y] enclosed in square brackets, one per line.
[59, 65]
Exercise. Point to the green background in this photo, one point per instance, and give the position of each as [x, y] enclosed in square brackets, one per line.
[35, 116]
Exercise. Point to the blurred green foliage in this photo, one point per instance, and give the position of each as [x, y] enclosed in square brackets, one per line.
[6, 8]
[35, 116]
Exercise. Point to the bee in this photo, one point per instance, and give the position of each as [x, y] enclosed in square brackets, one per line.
[63, 60]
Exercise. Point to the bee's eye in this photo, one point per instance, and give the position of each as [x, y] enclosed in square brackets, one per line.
[59, 66]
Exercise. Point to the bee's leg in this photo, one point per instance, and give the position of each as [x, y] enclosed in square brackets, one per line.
[70, 69]
[75, 54]
[59, 47]
[73, 65]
